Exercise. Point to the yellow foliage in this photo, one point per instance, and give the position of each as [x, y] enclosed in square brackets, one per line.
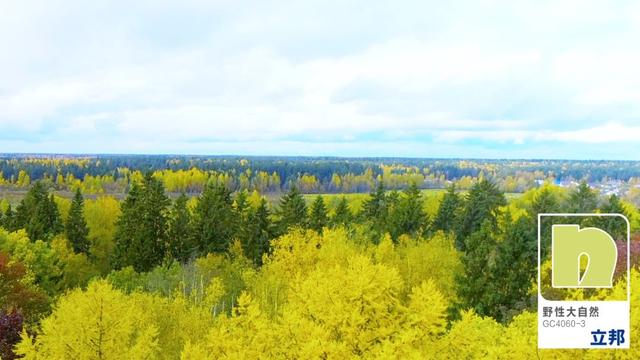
[99, 324]
[472, 337]
[317, 296]
[101, 215]
[104, 323]
[435, 259]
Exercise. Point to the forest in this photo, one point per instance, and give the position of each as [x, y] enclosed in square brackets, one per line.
[113, 174]
[205, 258]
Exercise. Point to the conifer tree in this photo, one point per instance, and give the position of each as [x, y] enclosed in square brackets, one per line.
[293, 211]
[141, 235]
[127, 226]
[376, 208]
[342, 216]
[11, 219]
[544, 202]
[179, 235]
[259, 233]
[51, 216]
[76, 226]
[448, 211]
[214, 222]
[408, 215]
[38, 213]
[482, 204]
[241, 208]
[475, 281]
[583, 199]
[614, 225]
[8, 219]
[155, 207]
[318, 218]
[514, 269]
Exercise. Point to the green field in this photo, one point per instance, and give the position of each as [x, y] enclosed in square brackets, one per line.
[431, 198]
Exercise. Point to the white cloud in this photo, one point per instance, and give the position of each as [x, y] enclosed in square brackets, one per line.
[156, 76]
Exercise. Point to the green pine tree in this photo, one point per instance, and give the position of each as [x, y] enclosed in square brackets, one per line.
[259, 233]
[375, 209]
[583, 199]
[614, 225]
[38, 213]
[242, 209]
[141, 235]
[409, 216]
[318, 218]
[76, 226]
[214, 220]
[448, 211]
[126, 234]
[293, 211]
[544, 202]
[514, 269]
[482, 204]
[179, 234]
[342, 216]
[474, 284]
[9, 220]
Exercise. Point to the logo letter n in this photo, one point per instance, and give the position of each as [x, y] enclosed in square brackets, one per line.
[570, 244]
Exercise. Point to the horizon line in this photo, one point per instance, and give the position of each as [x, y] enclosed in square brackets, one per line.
[336, 157]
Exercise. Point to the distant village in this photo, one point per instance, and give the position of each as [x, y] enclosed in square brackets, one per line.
[629, 190]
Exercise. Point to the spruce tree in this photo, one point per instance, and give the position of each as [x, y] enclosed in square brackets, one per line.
[259, 233]
[126, 234]
[155, 208]
[318, 218]
[293, 211]
[614, 225]
[242, 215]
[482, 204]
[242, 209]
[475, 281]
[214, 220]
[448, 211]
[583, 199]
[514, 269]
[179, 235]
[38, 213]
[76, 226]
[408, 216]
[342, 216]
[10, 219]
[375, 209]
[544, 202]
[141, 236]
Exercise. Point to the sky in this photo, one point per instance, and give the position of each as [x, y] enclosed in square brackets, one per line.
[462, 79]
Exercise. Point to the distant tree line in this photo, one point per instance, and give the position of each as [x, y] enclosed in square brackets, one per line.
[111, 173]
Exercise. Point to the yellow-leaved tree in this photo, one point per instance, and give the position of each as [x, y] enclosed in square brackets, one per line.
[100, 324]
[105, 323]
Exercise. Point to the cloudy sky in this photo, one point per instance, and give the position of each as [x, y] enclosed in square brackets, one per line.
[493, 79]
